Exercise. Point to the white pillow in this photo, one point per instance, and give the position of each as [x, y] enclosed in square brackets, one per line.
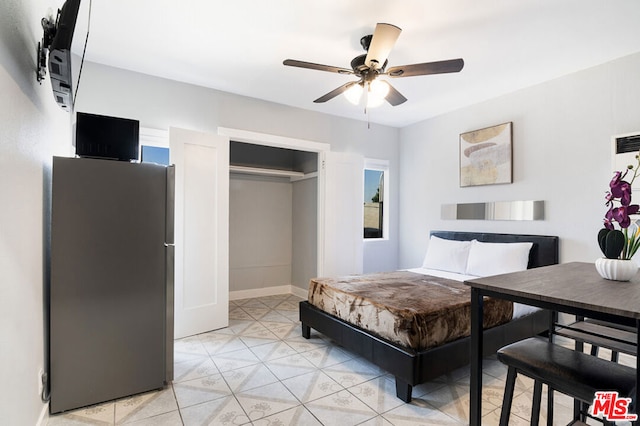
[447, 255]
[486, 259]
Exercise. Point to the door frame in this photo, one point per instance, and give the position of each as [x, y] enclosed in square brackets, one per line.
[320, 148]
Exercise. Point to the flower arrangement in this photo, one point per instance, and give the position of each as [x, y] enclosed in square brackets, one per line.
[620, 243]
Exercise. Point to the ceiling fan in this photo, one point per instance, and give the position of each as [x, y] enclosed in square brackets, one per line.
[370, 66]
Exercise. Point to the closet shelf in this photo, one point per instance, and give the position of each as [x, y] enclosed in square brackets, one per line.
[265, 172]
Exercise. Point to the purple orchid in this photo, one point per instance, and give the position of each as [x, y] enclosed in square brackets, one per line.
[608, 219]
[609, 198]
[620, 189]
[621, 215]
[620, 243]
[621, 192]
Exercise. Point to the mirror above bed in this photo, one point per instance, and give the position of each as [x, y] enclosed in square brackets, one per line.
[494, 210]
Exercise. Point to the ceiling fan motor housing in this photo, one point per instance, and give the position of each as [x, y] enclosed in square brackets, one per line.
[357, 64]
[365, 42]
[359, 67]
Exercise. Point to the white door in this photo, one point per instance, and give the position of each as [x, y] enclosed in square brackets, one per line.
[341, 213]
[201, 231]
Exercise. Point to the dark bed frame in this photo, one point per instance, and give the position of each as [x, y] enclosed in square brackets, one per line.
[411, 367]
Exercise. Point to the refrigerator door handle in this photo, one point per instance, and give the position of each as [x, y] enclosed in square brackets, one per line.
[170, 204]
[169, 313]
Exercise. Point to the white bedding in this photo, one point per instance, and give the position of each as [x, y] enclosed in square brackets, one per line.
[519, 309]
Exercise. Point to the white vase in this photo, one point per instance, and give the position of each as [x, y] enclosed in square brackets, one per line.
[616, 269]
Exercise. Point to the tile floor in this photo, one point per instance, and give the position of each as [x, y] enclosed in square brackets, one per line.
[260, 371]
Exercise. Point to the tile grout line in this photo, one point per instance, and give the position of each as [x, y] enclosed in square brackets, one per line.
[252, 323]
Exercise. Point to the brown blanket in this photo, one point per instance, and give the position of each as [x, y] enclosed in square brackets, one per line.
[417, 311]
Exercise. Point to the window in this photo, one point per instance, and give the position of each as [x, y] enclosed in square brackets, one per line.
[376, 175]
[154, 146]
[154, 154]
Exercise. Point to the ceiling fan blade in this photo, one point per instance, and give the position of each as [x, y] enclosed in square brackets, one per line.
[439, 67]
[394, 97]
[332, 94]
[319, 67]
[384, 38]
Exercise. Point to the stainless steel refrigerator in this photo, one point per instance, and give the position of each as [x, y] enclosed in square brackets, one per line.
[111, 292]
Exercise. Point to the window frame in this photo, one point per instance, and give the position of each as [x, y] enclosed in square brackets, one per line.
[155, 138]
[381, 166]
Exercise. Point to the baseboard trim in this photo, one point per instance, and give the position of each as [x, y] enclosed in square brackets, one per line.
[43, 419]
[259, 292]
[268, 291]
[300, 292]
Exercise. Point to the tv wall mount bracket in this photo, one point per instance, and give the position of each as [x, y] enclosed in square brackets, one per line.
[49, 27]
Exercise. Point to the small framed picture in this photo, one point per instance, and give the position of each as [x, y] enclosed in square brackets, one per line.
[485, 156]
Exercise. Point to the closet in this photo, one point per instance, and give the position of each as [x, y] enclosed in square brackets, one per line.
[292, 211]
[273, 219]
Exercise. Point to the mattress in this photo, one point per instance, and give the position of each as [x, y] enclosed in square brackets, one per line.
[414, 310]
[519, 310]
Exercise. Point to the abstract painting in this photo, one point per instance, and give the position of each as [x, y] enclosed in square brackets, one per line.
[485, 156]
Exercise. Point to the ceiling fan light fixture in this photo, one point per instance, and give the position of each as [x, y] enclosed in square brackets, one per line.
[376, 92]
[354, 93]
[378, 89]
[374, 102]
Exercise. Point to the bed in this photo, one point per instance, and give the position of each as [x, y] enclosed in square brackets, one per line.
[419, 360]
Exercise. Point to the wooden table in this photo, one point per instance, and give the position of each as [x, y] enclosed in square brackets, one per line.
[574, 288]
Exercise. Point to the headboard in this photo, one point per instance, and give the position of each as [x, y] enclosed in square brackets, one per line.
[544, 251]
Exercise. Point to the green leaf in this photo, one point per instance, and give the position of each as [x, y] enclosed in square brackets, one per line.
[602, 235]
[614, 243]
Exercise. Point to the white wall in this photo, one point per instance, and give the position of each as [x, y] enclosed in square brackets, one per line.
[561, 154]
[260, 232]
[32, 129]
[160, 103]
[272, 232]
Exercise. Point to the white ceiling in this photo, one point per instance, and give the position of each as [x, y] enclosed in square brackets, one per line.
[238, 46]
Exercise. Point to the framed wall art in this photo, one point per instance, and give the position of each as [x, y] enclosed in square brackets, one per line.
[485, 156]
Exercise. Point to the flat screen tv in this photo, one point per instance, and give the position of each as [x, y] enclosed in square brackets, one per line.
[60, 54]
[101, 136]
